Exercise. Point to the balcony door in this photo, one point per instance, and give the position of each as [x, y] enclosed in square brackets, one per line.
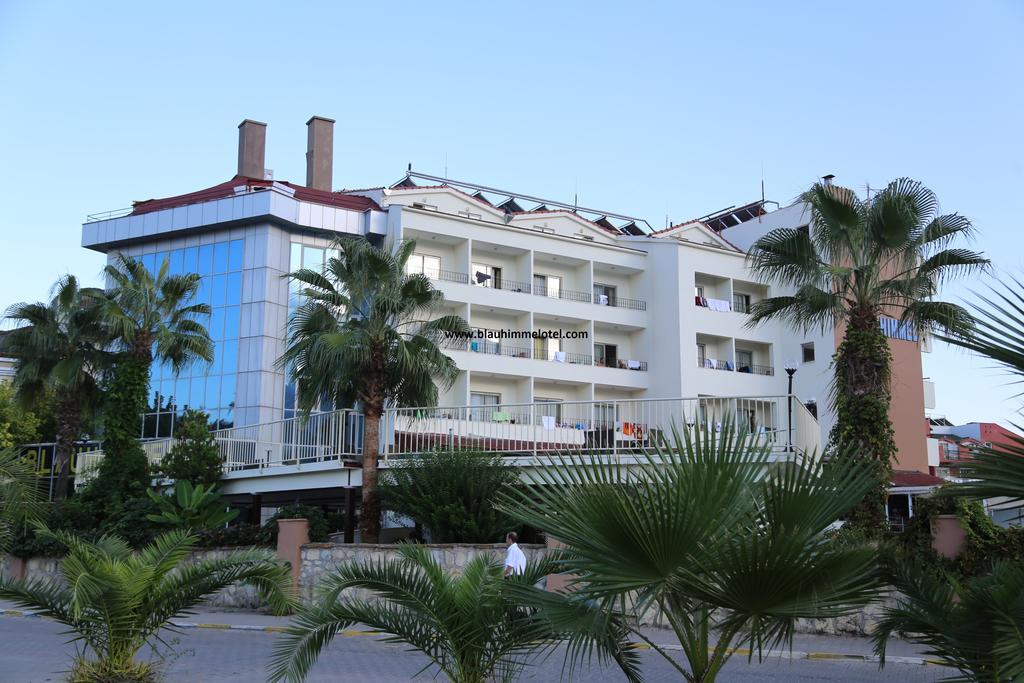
[486, 276]
[547, 285]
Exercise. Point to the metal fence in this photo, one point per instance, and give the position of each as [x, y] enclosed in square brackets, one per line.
[337, 435]
[612, 427]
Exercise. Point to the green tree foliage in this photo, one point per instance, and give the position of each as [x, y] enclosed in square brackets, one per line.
[452, 494]
[189, 507]
[58, 347]
[18, 424]
[19, 496]
[473, 628]
[115, 601]
[319, 527]
[149, 316]
[729, 547]
[857, 261]
[194, 456]
[366, 331]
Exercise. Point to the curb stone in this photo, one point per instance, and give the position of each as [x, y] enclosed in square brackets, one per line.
[773, 654]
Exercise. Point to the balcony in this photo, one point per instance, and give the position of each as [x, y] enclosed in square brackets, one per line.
[712, 364]
[527, 288]
[521, 348]
[765, 370]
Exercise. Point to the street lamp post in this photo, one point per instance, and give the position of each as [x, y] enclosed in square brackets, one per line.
[790, 366]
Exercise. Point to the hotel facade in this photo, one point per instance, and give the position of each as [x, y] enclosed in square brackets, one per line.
[590, 327]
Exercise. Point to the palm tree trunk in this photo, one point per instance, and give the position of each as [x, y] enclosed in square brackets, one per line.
[69, 416]
[862, 393]
[369, 516]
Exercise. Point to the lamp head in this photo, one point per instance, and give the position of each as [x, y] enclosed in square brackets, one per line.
[791, 366]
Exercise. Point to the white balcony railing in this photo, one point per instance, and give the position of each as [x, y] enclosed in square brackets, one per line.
[87, 462]
[611, 427]
[337, 435]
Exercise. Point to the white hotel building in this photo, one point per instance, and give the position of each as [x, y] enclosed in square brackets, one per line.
[647, 314]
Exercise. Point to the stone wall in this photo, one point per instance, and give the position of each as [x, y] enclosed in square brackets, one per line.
[320, 558]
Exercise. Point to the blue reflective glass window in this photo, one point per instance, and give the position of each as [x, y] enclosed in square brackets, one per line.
[181, 392]
[220, 290]
[204, 293]
[227, 419]
[197, 392]
[205, 266]
[190, 260]
[296, 257]
[213, 392]
[166, 391]
[234, 293]
[215, 326]
[312, 258]
[177, 259]
[158, 260]
[214, 419]
[231, 322]
[217, 366]
[227, 392]
[235, 253]
[149, 261]
[289, 396]
[220, 257]
[229, 352]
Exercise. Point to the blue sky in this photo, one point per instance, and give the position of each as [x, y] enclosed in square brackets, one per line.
[674, 109]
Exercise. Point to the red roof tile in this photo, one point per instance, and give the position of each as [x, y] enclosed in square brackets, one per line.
[227, 189]
[913, 478]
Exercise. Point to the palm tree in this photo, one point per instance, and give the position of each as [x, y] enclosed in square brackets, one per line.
[116, 601]
[473, 627]
[19, 495]
[707, 527]
[148, 316]
[366, 332]
[975, 625]
[859, 260]
[58, 346]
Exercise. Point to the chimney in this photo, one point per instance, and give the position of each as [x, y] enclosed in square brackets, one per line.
[252, 148]
[319, 153]
[828, 179]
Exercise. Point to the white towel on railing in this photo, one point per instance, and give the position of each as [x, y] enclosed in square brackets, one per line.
[710, 363]
[547, 421]
[719, 304]
[602, 299]
[633, 364]
[559, 356]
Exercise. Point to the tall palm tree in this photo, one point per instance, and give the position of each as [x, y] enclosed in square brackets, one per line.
[148, 315]
[59, 346]
[727, 545]
[116, 600]
[19, 495]
[367, 331]
[859, 260]
[473, 628]
[975, 625]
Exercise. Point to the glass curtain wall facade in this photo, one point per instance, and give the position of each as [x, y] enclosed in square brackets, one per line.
[209, 387]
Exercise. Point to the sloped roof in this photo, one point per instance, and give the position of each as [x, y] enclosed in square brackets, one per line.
[909, 478]
[227, 189]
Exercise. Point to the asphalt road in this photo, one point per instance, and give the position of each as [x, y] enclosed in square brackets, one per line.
[36, 650]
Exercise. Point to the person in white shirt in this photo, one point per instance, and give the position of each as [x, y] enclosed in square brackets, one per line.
[515, 559]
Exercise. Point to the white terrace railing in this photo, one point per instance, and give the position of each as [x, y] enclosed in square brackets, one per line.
[606, 427]
[87, 462]
[320, 437]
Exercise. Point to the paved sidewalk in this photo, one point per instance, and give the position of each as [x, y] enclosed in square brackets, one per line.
[804, 646]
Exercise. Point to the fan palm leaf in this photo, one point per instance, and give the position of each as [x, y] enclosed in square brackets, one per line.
[706, 523]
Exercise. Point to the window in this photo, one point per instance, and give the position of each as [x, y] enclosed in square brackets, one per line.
[547, 285]
[548, 407]
[545, 348]
[605, 414]
[744, 359]
[604, 294]
[698, 291]
[424, 264]
[486, 276]
[484, 405]
[606, 355]
[741, 302]
[807, 352]
[702, 354]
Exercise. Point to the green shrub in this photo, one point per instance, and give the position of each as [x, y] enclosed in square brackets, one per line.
[194, 457]
[189, 507]
[318, 528]
[236, 535]
[451, 494]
